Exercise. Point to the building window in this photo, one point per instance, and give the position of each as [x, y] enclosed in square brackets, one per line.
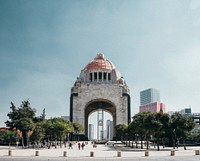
[91, 77]
[104, 75]
[100, 76]
[95, 76]
[109, 76]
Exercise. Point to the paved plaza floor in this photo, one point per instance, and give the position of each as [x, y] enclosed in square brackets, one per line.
[100, 153]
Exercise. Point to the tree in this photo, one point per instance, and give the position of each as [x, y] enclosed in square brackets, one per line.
[121, 130]
[57, 129]
[188, 125]
[49, 131]
[149, 125]
[180, 127]
[43, 115]
[160, 125]
[21, 118]
[13, 116]
[133, 132]
[146, 124]
[61, 127]
[165, 120]
[8, 137]
[38, 133]
[137, 125]
[77, 129]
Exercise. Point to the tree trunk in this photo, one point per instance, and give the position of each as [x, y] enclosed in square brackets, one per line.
[60, 142]
[158, 143]
[141, 143]
[154, 144]
[147, 140]
[174, 142]
[24, 138]
[184, 143]
[163, 142]
[136, 143]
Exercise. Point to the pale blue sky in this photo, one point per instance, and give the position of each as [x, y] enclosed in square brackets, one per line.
[44, 44]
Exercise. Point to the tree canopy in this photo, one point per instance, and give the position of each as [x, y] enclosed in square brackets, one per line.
[161, 126]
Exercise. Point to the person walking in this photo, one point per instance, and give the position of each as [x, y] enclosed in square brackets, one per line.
[79, 145]
[82, 145]
[70, 146]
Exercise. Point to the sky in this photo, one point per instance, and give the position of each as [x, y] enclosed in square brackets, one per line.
[44, 44]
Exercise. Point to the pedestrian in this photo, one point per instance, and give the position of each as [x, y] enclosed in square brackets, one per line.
[79, 145]
[70, 146]
[82, 145]
[177, 144]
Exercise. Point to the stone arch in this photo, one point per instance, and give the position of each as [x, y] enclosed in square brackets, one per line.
[94, 105]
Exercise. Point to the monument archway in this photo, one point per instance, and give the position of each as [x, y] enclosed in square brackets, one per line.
[100, 86]
[99, 104]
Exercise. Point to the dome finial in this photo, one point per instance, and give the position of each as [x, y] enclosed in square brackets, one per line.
[100, 56]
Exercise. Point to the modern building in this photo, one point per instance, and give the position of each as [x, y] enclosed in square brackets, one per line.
[150, 101]
[187, 111]
[91, 132]
[109, 130]
[153, 107]
[150, 95]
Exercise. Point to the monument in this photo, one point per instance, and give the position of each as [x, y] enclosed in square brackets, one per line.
[100, 87]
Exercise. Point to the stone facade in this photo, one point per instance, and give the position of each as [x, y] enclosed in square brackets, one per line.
[100, 86]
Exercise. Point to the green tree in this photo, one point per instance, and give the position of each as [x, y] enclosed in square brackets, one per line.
[196, 136]
[121, 130]
[9, 137]
[133, 132]
[149, 125]
[43, 114]
[13, 116]
[181, 127]
[38, 133]
[41, 117]
[60, 127]
[57, 129]
[77, 129]
[137, 126]
[160, 125]
[49, 131]
[165, 120]
[21, 118]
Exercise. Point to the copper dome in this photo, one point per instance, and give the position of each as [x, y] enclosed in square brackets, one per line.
[99, 62]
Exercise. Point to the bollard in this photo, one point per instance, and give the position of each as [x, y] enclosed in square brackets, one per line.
[118, 154]
[65, 154]
[172, 152]
[196, 152]
[146, 153]
[91, 154]
[9, 152]
[36, 153]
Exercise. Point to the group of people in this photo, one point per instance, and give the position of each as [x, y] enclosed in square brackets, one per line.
[80, 145]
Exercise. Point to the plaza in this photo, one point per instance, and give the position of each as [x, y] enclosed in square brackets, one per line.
[101, 152]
